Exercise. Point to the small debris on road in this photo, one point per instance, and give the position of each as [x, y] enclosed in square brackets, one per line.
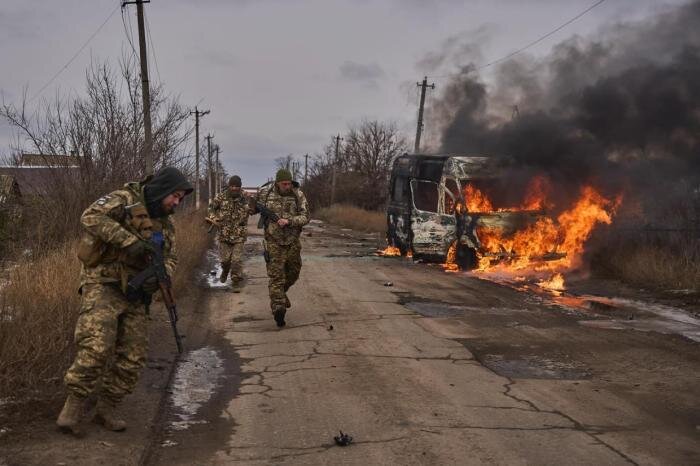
[330, 327]
[169, 443]
[388, 284]
[342, 440]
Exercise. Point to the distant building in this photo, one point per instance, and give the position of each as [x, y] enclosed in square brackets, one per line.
[45, 160]
[37, 173]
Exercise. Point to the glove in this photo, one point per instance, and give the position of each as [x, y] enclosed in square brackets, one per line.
[150, 285]
[138, 250]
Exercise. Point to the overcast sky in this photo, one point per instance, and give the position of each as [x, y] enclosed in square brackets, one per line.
[283, 76]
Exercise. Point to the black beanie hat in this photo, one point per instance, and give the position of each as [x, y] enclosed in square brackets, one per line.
[235, 180]
[166, 181]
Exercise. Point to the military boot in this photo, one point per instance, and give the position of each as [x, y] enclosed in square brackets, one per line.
[105, 416]
[225, 267]
[278, 314]
[71, 414]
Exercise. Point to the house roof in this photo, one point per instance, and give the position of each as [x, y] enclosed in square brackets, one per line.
[48, 160]
[39, 180]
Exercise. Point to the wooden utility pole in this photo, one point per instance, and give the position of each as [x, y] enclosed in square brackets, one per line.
[419, 126]
[209, 169]
[197, 114]
[306, 168]
[335, 164]
[145, 91]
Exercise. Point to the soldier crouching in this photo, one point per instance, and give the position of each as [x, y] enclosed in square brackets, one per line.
[111, 332]
[287, 202]
[229, 212]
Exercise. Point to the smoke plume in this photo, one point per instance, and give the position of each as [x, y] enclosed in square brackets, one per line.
[620, 111]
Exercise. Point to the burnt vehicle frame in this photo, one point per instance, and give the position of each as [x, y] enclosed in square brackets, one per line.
[427, 213]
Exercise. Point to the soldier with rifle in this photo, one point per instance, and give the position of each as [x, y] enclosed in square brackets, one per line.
[229, 212]
[125, 233]
[283, 212]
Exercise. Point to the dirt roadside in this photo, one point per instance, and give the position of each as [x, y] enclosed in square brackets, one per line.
[29, 435]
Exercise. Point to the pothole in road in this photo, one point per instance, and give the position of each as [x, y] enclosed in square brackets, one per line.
[210, 277]
[534, 367]
[196, 380]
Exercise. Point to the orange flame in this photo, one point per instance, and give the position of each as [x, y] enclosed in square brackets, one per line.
[476, 200]
[450, 264]
[555, 283]
[545, 245]
[545, 239]
[390, 251]
[536, 195]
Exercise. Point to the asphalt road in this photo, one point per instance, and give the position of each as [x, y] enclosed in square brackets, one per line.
[436, 368]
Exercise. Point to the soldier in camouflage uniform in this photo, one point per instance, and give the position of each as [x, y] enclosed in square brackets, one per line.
[229, 211]
[282, 244]
[111, 332]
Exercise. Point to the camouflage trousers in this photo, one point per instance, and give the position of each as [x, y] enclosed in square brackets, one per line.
[283, 267]
[112, 339]
[231, 257]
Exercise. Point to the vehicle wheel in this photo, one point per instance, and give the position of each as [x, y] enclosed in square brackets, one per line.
[466, 258]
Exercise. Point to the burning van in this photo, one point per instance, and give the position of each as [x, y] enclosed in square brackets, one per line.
[437, 210]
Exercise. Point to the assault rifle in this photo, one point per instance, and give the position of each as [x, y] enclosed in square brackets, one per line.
[266, 214]
[134, 289]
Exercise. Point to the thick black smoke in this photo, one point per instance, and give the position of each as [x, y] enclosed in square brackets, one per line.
[621, 111]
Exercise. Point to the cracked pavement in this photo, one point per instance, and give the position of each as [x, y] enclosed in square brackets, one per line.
[416, 389]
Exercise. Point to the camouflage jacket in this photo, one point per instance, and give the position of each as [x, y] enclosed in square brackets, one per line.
[231, 216]
[292, 206]
[108, 229]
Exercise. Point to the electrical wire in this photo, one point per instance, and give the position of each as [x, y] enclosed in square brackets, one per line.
[153, 50]
[74, 55]
[531, 44]
[129, 33]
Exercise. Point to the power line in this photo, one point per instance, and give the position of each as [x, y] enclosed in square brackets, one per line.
[75, 55]
[153, 49]
[129, 33]
[531, 44]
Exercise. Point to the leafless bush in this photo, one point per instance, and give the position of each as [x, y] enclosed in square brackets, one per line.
[102, 131]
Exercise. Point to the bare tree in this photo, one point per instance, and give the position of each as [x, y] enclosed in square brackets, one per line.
[103, 131]
[288, 162]
[369, 150]
[362, 166]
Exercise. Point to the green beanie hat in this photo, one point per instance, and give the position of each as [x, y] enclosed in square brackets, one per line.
[283, 175]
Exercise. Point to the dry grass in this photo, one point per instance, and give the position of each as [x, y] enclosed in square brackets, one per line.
[348, 216]
[39, 307]
[656, 262]
[663, 269]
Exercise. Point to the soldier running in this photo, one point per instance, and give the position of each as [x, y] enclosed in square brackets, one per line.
[229, 211]
[282, 244]
[111, 332]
